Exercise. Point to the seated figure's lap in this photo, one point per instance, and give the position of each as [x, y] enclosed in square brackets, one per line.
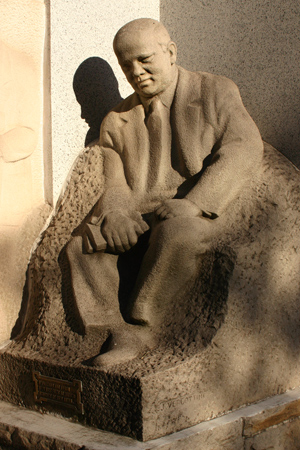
[160, 264]
[193, 234]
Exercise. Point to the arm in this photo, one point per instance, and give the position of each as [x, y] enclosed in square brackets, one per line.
[236, 155]
[115, 212]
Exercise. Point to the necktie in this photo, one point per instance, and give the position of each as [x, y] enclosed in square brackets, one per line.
[159, 128]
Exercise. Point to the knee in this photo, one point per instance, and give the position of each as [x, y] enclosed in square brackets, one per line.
[181, 233]
[164, 232]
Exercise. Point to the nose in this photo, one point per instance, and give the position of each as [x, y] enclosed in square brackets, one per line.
[137, 69]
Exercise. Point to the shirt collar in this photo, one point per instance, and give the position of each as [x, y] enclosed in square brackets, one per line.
[166, 97]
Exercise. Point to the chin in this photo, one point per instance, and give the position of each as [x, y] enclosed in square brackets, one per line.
[148, 92]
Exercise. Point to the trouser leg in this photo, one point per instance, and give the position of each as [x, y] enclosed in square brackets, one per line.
[170, 263]
[94, 284]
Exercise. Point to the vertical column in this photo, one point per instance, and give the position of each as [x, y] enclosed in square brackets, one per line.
[21, 146]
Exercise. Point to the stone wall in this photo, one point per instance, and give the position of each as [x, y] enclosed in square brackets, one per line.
[22, 32]
[257, 45]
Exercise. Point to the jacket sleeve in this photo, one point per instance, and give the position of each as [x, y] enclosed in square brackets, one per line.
[237, 151]
[117, 195]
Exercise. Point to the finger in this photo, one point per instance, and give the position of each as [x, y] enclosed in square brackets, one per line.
[97, 210]
[118, 242]
[109, 239]
[126, 241]
[132, 237]
[139, 229]
[141, 222]
[159, 210]
[145, 227]
[94, 220]
[163, 214]
[169, 215]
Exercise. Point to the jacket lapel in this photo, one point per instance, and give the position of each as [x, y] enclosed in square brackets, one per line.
[185, 121]
[134, 135]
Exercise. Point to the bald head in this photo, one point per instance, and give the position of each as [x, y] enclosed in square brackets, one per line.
[142, 29]
[146, 55]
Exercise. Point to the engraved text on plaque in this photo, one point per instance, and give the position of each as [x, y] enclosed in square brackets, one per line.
[62, 392]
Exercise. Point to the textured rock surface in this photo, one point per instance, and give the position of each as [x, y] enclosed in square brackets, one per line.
[15, 246]
[247, 347]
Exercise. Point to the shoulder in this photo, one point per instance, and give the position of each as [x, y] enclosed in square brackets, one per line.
[206, 85]
[125, 106]
[217, 82]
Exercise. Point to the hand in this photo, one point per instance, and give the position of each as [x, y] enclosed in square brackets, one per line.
[121, 232]
[177, 207]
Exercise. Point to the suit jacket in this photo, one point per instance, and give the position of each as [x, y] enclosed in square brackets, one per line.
[214, 142]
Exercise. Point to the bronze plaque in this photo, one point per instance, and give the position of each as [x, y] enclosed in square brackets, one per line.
[61, 392]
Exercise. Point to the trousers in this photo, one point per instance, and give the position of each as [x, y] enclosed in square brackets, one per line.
[139, 285]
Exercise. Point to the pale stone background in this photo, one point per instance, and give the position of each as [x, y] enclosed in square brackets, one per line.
[255, 43]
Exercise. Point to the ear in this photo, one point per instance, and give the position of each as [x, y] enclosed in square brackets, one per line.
[172, 47]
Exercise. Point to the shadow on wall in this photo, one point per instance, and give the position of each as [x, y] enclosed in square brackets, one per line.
[96, 90]
[255, 44]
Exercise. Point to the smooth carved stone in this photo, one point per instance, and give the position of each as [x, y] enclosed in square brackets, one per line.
[20, 113]
[19, 127]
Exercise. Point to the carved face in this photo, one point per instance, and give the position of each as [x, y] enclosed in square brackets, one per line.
[148, 66]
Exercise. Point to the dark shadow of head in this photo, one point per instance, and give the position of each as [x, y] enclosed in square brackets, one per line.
[96, 90]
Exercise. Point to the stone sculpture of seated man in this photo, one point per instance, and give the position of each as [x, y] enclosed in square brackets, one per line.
[177, 152]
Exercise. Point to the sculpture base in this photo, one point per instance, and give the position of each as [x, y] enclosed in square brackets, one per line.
[274, 422]
[147, 405]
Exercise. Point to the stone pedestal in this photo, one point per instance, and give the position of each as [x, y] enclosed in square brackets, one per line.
[141, 402]
[274, 422]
